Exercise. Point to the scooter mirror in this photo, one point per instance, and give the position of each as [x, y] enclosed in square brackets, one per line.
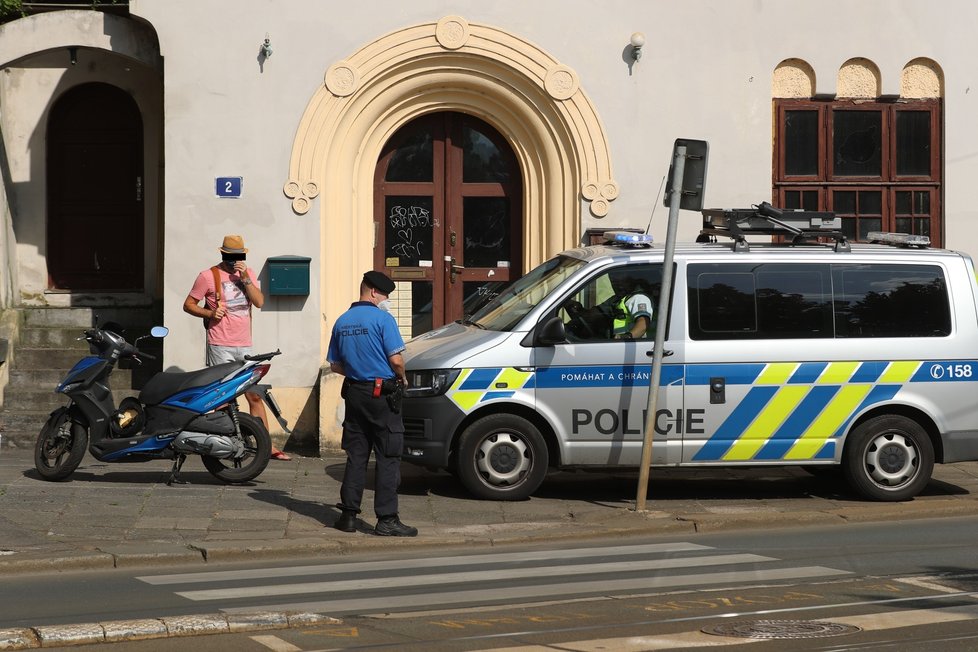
[159, 331]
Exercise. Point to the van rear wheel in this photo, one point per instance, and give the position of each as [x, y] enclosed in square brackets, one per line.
[502, 457]
[889, 458]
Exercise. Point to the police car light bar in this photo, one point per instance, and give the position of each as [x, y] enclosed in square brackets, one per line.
[628, 237]
[904, 239]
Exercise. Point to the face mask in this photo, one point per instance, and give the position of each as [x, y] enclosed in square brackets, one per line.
[385, 305]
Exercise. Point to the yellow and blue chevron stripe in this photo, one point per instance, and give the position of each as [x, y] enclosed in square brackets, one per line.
[475, 386]
[797, 411]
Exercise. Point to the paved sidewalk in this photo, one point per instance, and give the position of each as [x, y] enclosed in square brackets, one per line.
[114, 515]
[110, 515]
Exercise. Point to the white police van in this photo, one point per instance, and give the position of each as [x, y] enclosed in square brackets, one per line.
[813, 352]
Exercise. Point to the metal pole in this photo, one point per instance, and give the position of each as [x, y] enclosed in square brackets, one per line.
[678, 168]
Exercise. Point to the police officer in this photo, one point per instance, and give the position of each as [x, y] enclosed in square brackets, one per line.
[365, 347]
[632, 310]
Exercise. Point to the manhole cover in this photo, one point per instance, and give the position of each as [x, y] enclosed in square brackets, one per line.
[781, 629]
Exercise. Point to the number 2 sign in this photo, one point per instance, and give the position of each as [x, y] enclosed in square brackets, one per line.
[229, 187]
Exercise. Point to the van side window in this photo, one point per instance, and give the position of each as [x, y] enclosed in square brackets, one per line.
[767, 301]
[744, 301]
[891, 301]
[611, 303]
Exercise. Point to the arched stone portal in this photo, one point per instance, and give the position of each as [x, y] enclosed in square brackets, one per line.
[536, 103]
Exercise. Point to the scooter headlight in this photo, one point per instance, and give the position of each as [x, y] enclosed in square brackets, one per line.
[433, 382]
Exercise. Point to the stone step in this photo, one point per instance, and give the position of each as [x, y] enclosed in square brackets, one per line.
[49, 378]
[62, 359]
[22, 424]
[52, 338]
[135, 321]
[29, 399]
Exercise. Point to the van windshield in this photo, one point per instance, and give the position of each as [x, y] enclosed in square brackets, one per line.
[505, 311]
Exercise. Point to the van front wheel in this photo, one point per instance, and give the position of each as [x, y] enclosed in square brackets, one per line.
[889, 458]
[502, 457]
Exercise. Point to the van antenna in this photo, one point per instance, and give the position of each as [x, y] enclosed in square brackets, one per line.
[656, 204]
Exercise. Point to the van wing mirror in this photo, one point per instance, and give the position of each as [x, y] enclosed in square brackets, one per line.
[551, 332]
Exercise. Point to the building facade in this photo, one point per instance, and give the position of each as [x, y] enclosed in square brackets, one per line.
[453, 145]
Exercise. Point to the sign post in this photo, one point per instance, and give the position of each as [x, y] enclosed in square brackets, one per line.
[683, 191]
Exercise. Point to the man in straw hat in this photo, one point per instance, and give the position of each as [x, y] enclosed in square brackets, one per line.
[228, 291]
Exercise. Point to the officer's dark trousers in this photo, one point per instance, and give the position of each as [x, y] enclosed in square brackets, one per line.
[370, 425]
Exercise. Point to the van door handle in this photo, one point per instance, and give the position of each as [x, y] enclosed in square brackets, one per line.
[665, 354]
[718, 390]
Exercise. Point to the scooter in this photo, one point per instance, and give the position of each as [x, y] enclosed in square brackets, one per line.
[175, 415]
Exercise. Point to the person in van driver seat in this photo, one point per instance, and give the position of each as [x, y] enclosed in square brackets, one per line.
[631, 308]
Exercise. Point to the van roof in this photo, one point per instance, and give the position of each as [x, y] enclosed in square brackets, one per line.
[764, 249]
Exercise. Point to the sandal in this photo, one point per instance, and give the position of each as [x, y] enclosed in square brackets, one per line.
[279, 455]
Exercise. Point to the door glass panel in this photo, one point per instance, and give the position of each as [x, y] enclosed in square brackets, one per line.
[415, 296]
[413, 160]
[801, 143]
[408, 230]
[486, 229]
[481, 159]
[857, 143]
[913, 143]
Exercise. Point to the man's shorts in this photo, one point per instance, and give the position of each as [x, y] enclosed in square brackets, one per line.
[216, 354]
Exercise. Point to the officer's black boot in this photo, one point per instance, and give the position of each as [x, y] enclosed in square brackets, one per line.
[347, 522]
[391, 526]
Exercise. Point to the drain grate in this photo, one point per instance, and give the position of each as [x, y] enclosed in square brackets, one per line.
[781, 629]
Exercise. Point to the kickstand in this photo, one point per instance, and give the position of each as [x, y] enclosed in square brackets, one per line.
[175, 471]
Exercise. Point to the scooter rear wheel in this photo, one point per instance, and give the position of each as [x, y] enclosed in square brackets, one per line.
[258, 448]
[60, 447]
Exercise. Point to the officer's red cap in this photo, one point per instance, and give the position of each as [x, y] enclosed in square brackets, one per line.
[379, 281]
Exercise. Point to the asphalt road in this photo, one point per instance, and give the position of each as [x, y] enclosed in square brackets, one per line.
[898, 585]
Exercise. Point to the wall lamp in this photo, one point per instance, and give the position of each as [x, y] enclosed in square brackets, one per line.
[266, 47]
[73, 55]
[638, 42]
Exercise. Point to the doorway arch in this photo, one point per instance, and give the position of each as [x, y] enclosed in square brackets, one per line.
[524, 93]
[95, 190]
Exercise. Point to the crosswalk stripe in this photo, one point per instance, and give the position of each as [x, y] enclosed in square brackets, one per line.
[470, 576]
[380, 603]
[434, 562]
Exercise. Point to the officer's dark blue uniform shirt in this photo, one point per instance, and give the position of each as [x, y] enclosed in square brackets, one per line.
[363, 338]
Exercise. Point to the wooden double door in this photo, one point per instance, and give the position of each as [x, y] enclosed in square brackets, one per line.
[448, 217]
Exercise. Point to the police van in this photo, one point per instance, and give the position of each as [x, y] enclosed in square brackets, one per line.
[804, 350]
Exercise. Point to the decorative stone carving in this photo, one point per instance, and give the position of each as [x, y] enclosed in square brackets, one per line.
[342, 79]
[561, 82]
[600, 207]
[600, 194]
[452, 32]
[302, 193]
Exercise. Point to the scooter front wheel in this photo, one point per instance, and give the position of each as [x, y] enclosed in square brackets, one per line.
[258, 449]
[60, 447]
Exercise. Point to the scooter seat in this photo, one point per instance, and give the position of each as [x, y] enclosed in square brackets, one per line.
[167, 383]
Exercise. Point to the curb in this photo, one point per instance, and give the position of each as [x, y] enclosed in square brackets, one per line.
[152, 628]
[652, 523]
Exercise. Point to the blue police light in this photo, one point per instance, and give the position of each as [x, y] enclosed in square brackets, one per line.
[628, 238]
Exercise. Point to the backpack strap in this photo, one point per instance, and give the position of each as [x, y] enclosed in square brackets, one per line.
[217, 283]
[217, 293]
